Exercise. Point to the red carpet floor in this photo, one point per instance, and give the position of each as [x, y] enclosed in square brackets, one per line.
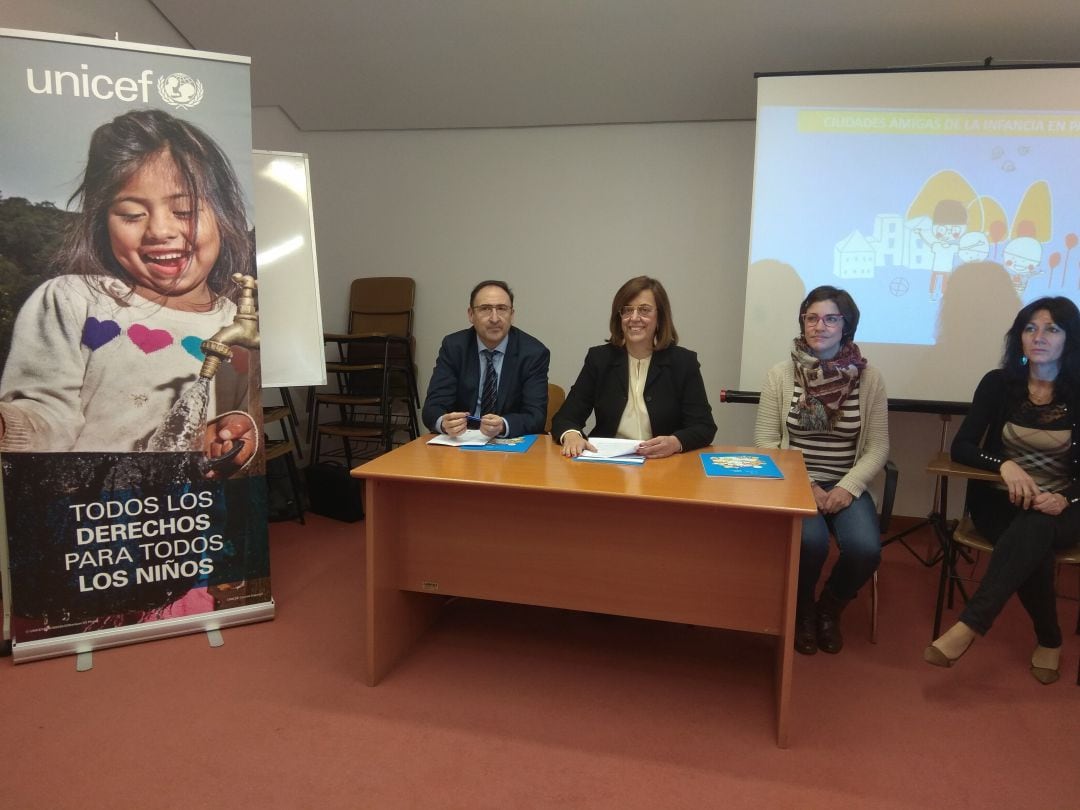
[504, 706]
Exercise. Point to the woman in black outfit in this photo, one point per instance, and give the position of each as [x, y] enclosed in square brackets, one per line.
[640, 384]
[1027, 411]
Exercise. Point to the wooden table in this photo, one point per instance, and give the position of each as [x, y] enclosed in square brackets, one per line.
[656, 541]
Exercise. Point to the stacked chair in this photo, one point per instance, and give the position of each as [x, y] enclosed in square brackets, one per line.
[284, 418]
[371, 400]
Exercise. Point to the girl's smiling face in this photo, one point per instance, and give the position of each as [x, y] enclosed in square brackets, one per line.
[153, 235]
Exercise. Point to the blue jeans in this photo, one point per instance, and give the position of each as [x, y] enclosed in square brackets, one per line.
[859, 540]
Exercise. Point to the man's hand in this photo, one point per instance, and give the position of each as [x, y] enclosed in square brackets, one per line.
[491, 425]
[454, 424]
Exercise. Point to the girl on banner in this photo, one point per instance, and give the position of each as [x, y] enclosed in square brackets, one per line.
[101, 355]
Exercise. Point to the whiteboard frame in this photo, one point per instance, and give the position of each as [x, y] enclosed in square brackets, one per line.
[290, 314]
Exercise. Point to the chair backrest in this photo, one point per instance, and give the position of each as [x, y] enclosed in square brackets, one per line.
[556, 397]
[382, 304]
[888, 496]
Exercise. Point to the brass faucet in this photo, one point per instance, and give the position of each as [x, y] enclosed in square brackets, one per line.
[243, 331]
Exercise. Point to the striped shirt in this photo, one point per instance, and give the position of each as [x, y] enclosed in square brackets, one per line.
[828, 455]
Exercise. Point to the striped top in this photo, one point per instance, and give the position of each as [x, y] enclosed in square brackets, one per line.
[1039, 439]
[828, 455]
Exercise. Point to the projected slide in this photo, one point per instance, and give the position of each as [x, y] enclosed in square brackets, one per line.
[940, 220]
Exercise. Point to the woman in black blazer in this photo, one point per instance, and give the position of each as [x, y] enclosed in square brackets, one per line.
[640, 383]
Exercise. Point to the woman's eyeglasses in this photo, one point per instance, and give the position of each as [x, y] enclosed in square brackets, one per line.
[643, 310]
[810, 319]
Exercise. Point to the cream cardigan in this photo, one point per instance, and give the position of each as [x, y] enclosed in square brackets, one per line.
[872, 447]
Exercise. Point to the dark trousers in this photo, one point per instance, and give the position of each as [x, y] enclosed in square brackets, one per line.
[1022, 563]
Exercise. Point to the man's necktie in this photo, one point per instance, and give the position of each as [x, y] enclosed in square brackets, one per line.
[491, 384]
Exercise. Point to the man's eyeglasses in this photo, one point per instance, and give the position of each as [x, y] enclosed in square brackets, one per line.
[486, 310]
[643, 310]
[811, 319]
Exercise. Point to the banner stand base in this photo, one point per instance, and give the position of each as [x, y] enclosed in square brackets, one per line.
[25, 651]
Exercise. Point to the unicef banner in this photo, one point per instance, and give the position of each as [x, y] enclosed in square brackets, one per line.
[130, 423]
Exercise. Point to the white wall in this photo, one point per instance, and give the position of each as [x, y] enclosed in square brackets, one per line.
[565, 215]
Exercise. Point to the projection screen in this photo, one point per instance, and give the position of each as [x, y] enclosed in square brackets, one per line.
[941, 200]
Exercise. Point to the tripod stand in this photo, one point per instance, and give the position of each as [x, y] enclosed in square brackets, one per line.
[938, 513]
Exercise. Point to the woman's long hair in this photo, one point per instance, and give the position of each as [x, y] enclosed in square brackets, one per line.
[1065, 314]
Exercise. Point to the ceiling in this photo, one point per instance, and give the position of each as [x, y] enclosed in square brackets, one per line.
[423, 64]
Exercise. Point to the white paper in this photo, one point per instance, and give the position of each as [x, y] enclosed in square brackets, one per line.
[611, 460]
[612, 448]
[469, 437]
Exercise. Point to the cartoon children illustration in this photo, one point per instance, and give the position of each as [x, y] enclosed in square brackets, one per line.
[949, 225]
[101, 353]
[1021, 258]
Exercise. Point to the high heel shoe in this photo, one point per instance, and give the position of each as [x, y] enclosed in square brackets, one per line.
[1044, 675]
[933, 655]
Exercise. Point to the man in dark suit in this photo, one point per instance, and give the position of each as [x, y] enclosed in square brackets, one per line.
[491, 376]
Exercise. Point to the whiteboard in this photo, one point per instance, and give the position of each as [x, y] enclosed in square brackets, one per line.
[290, 315]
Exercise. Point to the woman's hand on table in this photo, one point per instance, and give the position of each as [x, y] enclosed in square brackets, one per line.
[573, 443]
[660, 447]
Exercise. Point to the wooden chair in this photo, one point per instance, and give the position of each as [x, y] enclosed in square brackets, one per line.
[885, 509]
[963, 538]
[382, 304]
[373, 370]
[556, 397]
[286, 447]
[375, 374]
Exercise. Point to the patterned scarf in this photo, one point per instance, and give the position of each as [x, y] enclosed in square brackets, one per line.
[825, 383]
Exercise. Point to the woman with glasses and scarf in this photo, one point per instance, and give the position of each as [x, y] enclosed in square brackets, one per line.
[640, 383]
[828, 402]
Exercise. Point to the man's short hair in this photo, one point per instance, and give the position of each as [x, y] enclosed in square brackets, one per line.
[502, 285]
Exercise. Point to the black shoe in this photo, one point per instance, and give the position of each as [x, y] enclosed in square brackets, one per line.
[829, 608]
[806, 641]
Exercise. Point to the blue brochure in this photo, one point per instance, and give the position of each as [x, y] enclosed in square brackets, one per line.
[740, 465]
[516, 445]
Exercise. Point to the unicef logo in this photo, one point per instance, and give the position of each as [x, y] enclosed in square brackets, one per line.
[180, 90]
